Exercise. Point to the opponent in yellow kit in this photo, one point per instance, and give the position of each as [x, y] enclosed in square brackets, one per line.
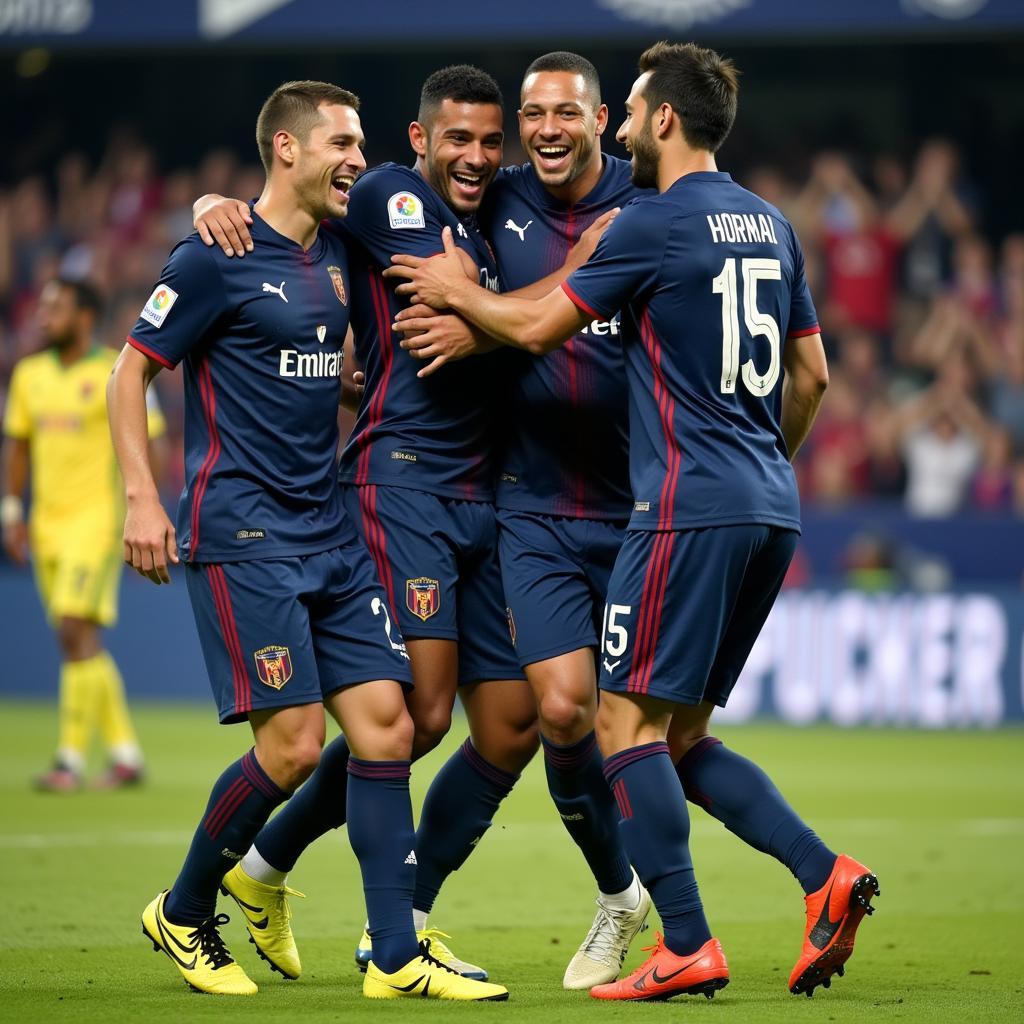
[56, 427]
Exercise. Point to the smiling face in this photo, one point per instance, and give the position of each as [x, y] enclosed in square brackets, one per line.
[460, 151]
[636, 135]
[560, 125]
[329, 161]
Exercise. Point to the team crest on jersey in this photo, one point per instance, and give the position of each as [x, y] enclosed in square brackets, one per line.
[339, 284]
[406, 211]
[423, 597]
[273, 665]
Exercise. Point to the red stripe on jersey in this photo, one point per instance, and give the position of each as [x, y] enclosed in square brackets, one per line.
[382, 313]
[666, 411]
[579, 303]
[208, 399]
[229, 631]
[376, 540]
[804, 332]
[147, 351]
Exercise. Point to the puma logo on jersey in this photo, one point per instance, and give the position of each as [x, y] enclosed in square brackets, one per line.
[277, 291]
[520, 231]
[611, 666]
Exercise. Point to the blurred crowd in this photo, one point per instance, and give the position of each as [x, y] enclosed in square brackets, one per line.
[922, 311]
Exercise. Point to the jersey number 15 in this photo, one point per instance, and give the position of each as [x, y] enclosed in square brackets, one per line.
[757, 323]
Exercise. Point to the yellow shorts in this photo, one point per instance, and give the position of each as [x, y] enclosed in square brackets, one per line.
[80, 583]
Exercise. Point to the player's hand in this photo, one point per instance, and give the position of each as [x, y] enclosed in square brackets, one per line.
[584, 248]
[441, 338]
[223, 222]
[149, 540]
[16, 542]
[432, 280]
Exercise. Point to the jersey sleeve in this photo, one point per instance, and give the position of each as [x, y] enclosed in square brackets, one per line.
[188, 299]
[17, 419]
[390, 214]
[624, 265]
[803, 318]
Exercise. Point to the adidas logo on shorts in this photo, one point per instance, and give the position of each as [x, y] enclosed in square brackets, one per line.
[411, 859]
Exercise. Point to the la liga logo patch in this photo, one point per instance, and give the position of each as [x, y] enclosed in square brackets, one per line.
[405, 210]
[158, 305]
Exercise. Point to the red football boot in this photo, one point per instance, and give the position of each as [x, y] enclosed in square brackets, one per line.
[833, 914]
[665, 975]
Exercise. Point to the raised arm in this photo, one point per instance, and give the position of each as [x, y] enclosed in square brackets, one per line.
[149, 537]
[804, 387]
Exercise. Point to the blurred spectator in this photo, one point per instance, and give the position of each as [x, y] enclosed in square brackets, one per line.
[943, 435]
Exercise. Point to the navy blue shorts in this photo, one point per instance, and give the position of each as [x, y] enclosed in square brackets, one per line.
[438, 560]
[280, 632]
[555, 572]
[685, 607]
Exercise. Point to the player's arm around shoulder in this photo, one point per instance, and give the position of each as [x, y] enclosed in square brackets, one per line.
[538, 326]
[224, 222]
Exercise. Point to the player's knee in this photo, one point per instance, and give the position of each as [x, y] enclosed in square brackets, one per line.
[296, 761]
[430, 728]
[76, 638]
[564, 720]
[524, 744]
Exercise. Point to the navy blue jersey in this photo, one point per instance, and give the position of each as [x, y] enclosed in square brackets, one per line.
[713, 278]
[432, 434]
[261, 339]
[566, 449]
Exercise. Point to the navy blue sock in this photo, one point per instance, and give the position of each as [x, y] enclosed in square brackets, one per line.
[457, 811]
[577, 785]
[740, 795]
[317, 807]
[381, 833]
[241, 801]
[655, 828]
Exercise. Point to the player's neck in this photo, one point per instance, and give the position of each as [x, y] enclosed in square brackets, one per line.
[573, 191]
[674, 165]
[280, 210]
[71, 354]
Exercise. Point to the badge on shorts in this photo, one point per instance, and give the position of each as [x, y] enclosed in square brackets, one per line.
[273, 665]
[423, 597]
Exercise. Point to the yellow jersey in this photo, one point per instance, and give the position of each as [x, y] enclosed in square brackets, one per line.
[77, 494]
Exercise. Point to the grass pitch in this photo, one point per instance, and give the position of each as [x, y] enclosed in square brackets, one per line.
[939, 817]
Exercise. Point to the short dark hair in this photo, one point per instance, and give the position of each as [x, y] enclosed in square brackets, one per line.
[700, 85]
[563, 60]
[295, 107]
[461, 83]
[86, 294]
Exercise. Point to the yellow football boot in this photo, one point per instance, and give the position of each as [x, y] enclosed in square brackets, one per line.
[197, 951]
[438, 950]
[268, 918]
[425, 977]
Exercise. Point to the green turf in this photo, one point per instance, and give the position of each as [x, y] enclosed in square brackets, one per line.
[939, 816]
